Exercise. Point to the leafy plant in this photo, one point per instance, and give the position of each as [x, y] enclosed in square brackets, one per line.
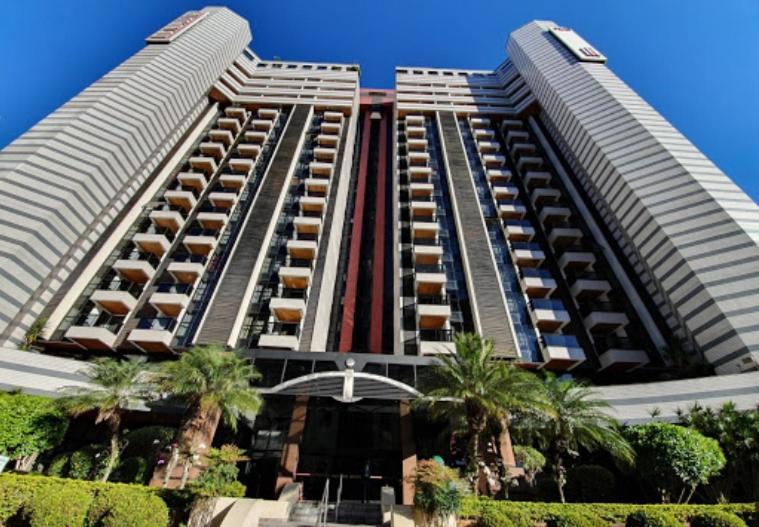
[492, 517]
[88, 462]
[127, 507]
[531, 461]
[576, 519]
[132, 470]
[588, 483]
[716, 519]
[114, 386]
[57, 506]
[29, 425]
[438, 491]
[675, 459]
[220, 477]
[33, 333]
[651, 518]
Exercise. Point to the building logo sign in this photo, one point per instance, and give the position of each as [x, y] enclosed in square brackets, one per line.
[576, 44]
[171, 31]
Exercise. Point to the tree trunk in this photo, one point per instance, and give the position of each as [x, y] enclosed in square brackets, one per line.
[197, 430]
[114, 427]
[560, 479]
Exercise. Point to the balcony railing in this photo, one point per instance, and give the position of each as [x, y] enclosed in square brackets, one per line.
[437, 300]
[133, 288]
[547, 303]
[282, 328]
[566, 341]
[429, 268]
[436, 335]
[610, 307]
[158, 323]
[190, 258]
[607, 342]
[182, 289]
[100, 320]
[133, 255]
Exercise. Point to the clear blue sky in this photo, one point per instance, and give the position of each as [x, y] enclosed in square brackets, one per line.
[695, 61]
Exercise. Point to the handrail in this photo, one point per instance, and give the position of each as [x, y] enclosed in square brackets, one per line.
[323, 506]
[339, 496]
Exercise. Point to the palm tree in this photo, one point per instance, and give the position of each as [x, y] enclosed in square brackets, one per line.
[472, 384]
[114, 385]
[574, 420]
[214, 384]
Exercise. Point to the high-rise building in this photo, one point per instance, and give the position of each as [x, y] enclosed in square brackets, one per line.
[199, 194]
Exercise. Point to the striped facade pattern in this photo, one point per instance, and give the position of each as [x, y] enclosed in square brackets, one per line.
[688, 230]
[66, 179]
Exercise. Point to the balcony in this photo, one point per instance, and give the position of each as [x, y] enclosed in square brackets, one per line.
[517, 136]
[183, 199]
[505, 192]
[561, 352]
[526, 163]
[95, 330]
[418, 132]
[576, 260]
[618, 354]
[320, 169]
[423, 209]
[511, 124]
[537, 179]
[588, 286]
[241, 164]
[417, 145]
[427, 254]
[301, 249]
[250, 151]
[421, 190]
[264, 125]
[419, 174]
[430, 284]
[551, 215]
[498, 176]
[213, 149]
[156, 242]
[436, 342]
[153, 335]
[493, 160]
[432, 316]
[171, 299]
[603, 317]
[330, 128]
[256, 137]
[545, 196]
[479, 122]
[268, 113]
[287, 309]
[418, 159]
[229, 123]
[188, 270]
[549, 315]
[280, 336]
[424, 230]
[307, 225]
[237, 113]
[527, 254]
[117, 297]
[561, 237]
[193, 180]
[537, 283]
[139, 269]
[167, 219]
[333, 117]
[222, 136]
[511, 209]
[483, 133]
[328, 155]
[233, 181]
[200, 241]
[212, 220]
[519, 231]
[203, 163]
[312, 204]
[521, 149]
[487, 147]
[316, 186]
[414, 120]
[224, 200]
[295, 277]
[327, 140]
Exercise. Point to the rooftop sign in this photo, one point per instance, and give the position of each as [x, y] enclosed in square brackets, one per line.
[576, 44]
[172, 30]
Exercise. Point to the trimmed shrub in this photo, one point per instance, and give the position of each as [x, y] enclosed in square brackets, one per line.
[132, 470]
[493, 517]
[59, 465]
[652, 518]
[127, 507]
[87, 462]
[577, 519]
[590, 483]
[58, 506]
[716, 519]
[147, 441]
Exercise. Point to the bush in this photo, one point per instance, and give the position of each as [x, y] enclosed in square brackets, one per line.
[438, 490]
[29, 424]
[87, 462]
[589, 483]
[127, 507]
[58, 506]
[493, 517]
[716, 519]
[132, 470]
[147, 441]
[59, 465]
[652, 518]
[577, 519]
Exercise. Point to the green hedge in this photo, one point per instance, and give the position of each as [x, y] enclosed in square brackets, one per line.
[652, 518]
[473, 508]
[44, 501]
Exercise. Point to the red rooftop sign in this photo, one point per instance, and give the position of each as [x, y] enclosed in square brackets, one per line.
[172, 30]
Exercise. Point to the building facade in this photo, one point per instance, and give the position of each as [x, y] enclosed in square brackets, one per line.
[198, 194]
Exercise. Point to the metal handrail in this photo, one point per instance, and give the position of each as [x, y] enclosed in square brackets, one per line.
[323, 506]
[339, 497]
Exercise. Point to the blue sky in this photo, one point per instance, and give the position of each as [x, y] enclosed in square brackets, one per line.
[695, 61]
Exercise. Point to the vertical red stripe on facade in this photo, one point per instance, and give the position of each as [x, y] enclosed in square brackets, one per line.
[378, 255]
[351, 280]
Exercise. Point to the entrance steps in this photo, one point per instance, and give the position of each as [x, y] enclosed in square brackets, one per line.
[306, 514]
